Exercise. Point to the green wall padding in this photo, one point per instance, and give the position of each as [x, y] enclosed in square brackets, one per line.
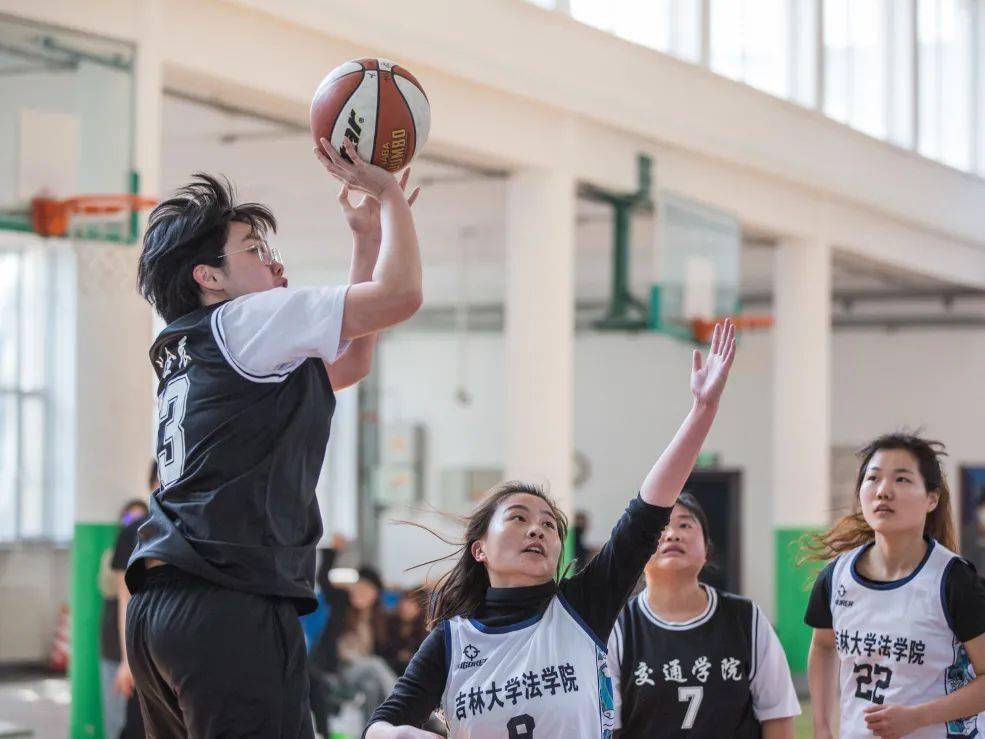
[91, 540]
[793, 589]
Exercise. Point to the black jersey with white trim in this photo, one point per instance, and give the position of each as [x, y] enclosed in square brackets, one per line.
[689, 679]
[239, 455]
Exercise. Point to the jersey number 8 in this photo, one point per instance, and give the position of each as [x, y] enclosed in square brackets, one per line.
[520, 727]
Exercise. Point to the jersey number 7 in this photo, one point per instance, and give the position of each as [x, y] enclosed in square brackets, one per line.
[693, 696]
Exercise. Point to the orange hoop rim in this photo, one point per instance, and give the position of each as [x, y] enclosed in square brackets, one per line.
[108, 203]
[52, 216]
[703, 328]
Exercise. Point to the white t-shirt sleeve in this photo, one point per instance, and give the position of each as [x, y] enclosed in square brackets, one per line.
[265, 336]
[615, 662]
[773, 694]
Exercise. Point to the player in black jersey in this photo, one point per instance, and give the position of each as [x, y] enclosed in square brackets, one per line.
[689, 660]
[247, 370]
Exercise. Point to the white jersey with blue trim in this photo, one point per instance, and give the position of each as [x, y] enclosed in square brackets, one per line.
[542, 678]
[896, 645]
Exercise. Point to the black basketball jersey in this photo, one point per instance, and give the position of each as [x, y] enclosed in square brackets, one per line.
[239, 456]
[679, 680]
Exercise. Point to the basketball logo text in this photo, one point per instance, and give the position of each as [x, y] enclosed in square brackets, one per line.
[395, 150]
[352, 132]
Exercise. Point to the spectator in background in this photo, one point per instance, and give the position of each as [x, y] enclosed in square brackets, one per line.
[121, 711]
[406, 628]
[346, 658]
[578, 531]
[114, 703]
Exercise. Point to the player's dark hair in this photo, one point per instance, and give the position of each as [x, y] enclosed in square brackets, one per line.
[852, 530]
[461, 590]
[688, 501]
[186, 230]
[153, 479]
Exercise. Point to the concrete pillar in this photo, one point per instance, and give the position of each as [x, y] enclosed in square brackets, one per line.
[539, 340]
[801, 425]
[114, 388]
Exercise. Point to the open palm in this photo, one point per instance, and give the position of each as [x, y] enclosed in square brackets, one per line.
[708, 377]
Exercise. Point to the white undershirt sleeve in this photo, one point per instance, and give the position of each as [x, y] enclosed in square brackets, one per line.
[773, 694]
[265, 336]
[615, 661]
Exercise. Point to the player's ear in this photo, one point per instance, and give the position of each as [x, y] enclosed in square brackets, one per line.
[935, 499]
[207, 277]
[477, 552]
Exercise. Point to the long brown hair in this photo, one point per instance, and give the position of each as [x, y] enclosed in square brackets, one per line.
[461, 590]
[853, 531]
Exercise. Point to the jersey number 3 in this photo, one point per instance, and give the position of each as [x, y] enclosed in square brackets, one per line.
[170, 431]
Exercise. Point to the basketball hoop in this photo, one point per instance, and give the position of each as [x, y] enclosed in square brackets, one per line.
[703, 329]
[93, 217]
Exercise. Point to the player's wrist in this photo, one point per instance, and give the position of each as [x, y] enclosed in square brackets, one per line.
[922, 715]
[391, 189]
[363, 241]
[703, 406]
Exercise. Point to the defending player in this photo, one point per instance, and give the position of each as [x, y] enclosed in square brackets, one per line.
[687, 659]
[898, 617]
[517, 654]
[247, 370]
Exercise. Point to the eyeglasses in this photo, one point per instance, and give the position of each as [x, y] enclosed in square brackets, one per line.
[268, 254]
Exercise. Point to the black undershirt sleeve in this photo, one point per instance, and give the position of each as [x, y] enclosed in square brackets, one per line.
[818, 613]
[600, 590]
[126, 542]
[964, 600]
[418, 691]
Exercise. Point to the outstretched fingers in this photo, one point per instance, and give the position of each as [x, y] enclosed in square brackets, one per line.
[716, 340]
[336, 159]
[350, 150]
[730, 351]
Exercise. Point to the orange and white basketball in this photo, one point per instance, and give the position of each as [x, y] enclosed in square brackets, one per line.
[378, 105]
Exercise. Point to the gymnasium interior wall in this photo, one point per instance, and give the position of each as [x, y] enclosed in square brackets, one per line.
[630, 394]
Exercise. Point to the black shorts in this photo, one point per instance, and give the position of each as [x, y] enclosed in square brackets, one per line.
[212, 662]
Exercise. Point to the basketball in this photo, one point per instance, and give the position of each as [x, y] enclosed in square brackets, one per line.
[378, 105]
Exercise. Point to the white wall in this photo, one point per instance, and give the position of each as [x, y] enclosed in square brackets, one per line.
[630, 393]
[929, 378]
[34, 583]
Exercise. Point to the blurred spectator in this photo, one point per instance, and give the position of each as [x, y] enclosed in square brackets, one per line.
[578, 531]
[406, 628]
[973, 536]
[121, 711]
[344, 661]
